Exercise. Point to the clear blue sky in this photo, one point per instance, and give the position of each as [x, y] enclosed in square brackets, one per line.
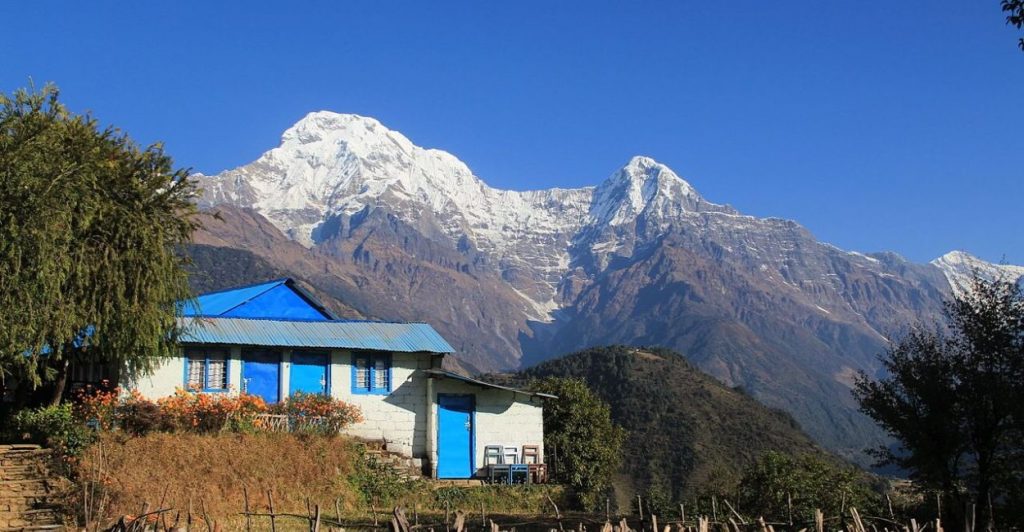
[879, 125]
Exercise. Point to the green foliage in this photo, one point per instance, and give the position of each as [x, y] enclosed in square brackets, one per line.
[378, 482]
[56, 427]
[89, 225]
[954, 399]
[583, 445]
[687, 434]
[449, 497]
[1014, 10]
[807, 482]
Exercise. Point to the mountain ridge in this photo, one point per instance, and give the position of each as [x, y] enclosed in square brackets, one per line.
[516, 277]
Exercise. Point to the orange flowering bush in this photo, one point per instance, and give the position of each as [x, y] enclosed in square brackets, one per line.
[316, 413]
[191, 411]
[98, 406]
[206, 412]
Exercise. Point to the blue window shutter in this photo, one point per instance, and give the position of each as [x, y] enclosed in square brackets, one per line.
[370, 363]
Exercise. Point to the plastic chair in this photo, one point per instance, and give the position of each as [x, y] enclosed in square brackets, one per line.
[510, 455]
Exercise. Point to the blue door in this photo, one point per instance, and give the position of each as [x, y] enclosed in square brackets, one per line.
[454, 436]
[261, 374]
[308, 373]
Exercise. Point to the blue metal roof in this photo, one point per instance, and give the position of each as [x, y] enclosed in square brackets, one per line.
[280, 298]
[370, 335]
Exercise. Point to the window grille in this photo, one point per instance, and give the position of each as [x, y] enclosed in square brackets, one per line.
[362, 374]
[371, 373]
[207, 370]
[216, 374]
[380, 373]
[196, 373]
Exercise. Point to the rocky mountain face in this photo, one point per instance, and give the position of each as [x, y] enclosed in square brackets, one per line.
[511, 278]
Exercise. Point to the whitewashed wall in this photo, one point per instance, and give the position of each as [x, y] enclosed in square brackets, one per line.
[503, 417]
[170, 376]
[399, 417]
[162, 381]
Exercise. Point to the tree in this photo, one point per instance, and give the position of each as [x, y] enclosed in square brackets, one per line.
[953, 398]
[782, 487]
[1014, 10]
[89, 228]
[580, 436]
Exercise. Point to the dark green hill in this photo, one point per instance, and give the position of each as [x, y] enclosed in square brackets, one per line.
[687, 431]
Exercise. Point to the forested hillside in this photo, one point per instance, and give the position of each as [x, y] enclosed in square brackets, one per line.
[687, 432]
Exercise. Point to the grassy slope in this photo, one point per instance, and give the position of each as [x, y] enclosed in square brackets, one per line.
[687, 431]
[210, 471]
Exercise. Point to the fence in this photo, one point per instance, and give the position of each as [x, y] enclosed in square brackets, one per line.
[287, 423]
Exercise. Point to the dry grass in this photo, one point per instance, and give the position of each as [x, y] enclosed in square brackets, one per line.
[211, 471]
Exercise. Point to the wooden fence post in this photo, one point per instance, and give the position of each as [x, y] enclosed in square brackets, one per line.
[248, 523]
[273, 521]
[460, 520]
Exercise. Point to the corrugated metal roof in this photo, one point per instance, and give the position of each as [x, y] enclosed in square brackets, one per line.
[377, 336]
[485, 384]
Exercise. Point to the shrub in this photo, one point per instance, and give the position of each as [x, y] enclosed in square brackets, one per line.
[319, 414]
[55, 427]
[778, 482]
[140, 417]
[205, 412]
[582, 442]
[98, 407]
[378, 482]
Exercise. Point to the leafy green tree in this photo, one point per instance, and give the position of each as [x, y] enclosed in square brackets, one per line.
[89, 228]
[582, 444]
[781, 486]
[954, 399]
[1014, 10]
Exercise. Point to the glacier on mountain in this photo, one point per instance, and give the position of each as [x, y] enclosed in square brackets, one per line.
[330, 164]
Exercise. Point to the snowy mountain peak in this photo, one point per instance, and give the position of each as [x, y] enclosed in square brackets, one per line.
[643, 185]
[352, 132]
[959, 267]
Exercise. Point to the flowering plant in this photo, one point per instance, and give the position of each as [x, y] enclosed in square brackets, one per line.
[204, 412]
[318, 413]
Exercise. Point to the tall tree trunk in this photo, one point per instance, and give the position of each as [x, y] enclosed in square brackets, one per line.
[60, 382]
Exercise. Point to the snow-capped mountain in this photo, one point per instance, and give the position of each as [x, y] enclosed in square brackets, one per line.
[336, 165]
[511, 277]
[960, 268]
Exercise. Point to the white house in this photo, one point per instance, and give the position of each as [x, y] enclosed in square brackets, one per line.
[274, 339]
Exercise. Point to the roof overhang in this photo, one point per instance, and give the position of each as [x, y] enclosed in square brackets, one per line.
[483, 384]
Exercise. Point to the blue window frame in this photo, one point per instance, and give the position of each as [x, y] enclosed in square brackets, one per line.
[371, 373]
[207, 370]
